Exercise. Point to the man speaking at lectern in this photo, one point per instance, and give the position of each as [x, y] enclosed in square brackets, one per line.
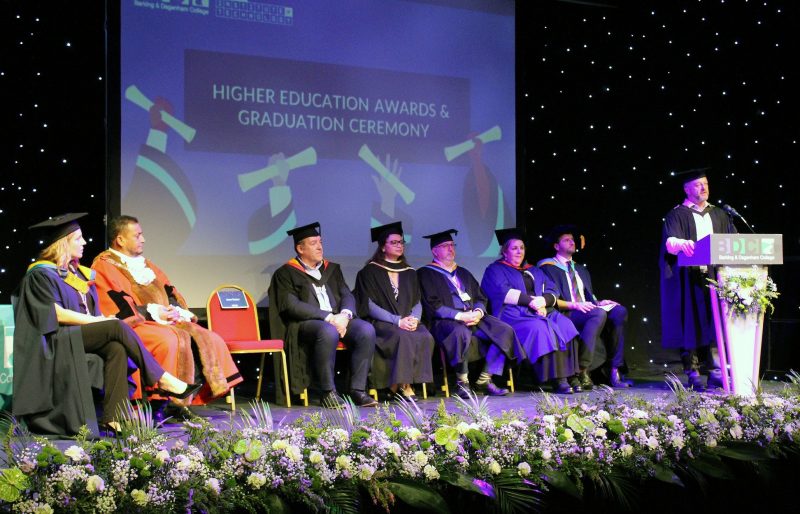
[687, 322]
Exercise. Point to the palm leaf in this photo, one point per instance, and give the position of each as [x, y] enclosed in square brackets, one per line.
[473, 408]
[137, 422]
[259, 417]
[617, 489]
[418, 495]
[346, 417]
[412, 412]
[344, 498]
[515, 494]
[562, 482]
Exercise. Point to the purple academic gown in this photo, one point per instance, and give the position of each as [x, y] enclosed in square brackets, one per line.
[547, 340]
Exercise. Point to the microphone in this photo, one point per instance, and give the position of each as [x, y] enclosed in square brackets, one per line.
[733, 213]
[730, 210]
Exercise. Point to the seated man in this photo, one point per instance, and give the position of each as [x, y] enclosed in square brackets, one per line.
[454, 307]
[132, 288]
[589, 315]
[311, 309]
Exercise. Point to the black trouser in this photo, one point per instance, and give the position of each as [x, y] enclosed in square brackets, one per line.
[591, 324]
[323, 339]
[115, 342]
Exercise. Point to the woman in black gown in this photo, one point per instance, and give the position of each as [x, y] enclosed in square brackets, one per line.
[388, 296]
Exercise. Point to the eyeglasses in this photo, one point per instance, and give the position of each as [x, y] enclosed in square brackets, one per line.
[399, 242]
[446, 245]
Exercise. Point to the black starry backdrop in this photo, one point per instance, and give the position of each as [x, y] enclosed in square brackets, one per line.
[611, 98]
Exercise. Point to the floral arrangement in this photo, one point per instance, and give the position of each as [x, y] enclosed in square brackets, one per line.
[752, 291]
[336, 461]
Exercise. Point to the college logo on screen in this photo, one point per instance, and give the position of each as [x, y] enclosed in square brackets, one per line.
[182, 6]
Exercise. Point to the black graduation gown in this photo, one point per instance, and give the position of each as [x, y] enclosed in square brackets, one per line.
[402, 357]
[52, 382]
[686, 316]
[291, 300]
[440, 302]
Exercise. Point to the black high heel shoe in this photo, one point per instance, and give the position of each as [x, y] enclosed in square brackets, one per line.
[190, 390]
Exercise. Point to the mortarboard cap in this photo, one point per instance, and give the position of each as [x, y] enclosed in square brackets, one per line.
[300, 233]
[692, 174]
[504, 234]
[381, 233]
[441, 237]
[559, 230]
[53, 229]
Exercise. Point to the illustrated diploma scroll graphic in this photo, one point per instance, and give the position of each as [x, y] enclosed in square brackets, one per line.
[493, 134]
[248, 181]
[133, 94]
[367, 156]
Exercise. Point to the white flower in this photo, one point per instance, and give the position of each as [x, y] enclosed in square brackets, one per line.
[413, 433]
[588, 453]
[344, 462]
[711, 442]
[75, 453]
[626, 450]
[494, 468]
[95, 484]
[523, 469]
[640, 434]
[279, 444]
[652, 442]
[420, 458]
[365, 472]
[43, 508]
[462, 428]
[162, 456]
[673, 419]
[256, 480]
[639, 414]
[315, 457]
[603, 416]
[395, 449]
[139, 497]
[212, 484]
[736, 432]
[294, 453]
[431, 473]
[600, 432]
[568, 434]
[182, 462]
[549, 419]
[677, 441]
[547, 455]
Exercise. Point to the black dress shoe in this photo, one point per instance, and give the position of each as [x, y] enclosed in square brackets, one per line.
[586, 381]
[463, 390]
[490, 389]
[107, 429]
[331, 400]
[617, 381]
[575, 384]
[695, 381]
[562, 387]
[190, 390]
[362, 399]
[714, 380]
[179, 413]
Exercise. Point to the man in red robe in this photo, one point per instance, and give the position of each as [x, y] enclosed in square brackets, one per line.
[136, 290]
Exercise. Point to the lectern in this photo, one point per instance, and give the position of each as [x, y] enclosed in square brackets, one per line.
[738, 334]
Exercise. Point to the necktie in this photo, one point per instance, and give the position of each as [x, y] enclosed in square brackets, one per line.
[576, 294]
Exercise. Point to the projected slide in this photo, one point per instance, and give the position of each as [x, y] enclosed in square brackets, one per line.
[243, 119]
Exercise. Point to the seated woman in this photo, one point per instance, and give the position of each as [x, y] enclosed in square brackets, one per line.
[388, 296]
[524, 297]
[57, 323]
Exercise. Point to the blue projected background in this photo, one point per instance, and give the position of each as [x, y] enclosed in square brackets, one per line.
[243, 119]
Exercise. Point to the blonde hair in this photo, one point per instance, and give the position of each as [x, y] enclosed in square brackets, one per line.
[58, 251]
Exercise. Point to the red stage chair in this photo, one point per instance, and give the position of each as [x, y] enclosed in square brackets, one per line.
[239, 328]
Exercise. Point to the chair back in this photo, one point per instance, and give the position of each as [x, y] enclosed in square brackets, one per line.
[233, 324]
